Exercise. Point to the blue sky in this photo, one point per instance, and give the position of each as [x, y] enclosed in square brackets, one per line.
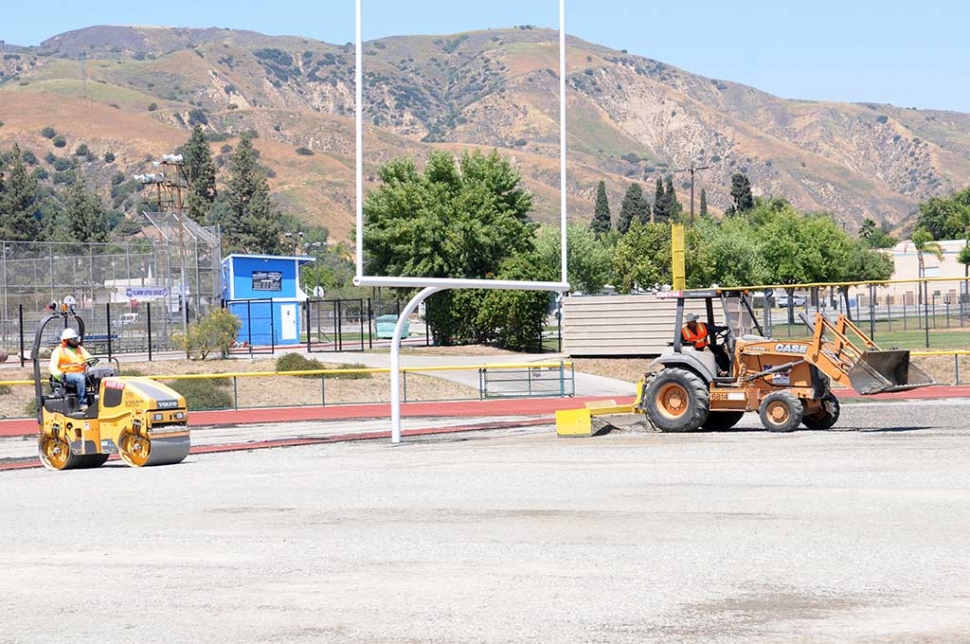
[905, 53]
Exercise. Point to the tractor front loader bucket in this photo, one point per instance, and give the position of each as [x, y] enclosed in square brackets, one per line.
[884, 371]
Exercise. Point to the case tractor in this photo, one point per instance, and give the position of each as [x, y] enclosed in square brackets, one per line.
[787, 382]
[142, 421]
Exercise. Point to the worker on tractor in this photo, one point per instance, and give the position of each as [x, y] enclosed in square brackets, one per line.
[696, 334]
[69, 363]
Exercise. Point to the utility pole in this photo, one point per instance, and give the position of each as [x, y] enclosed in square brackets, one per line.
[173, 185]
[693, 169]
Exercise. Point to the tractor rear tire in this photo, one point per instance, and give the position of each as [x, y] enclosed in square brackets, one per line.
[677, 400]
[827, 416]
[781, 411]
[719, 421]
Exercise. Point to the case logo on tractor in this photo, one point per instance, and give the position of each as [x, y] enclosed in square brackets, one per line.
[791, 348]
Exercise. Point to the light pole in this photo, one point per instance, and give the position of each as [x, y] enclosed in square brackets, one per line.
[317, 287]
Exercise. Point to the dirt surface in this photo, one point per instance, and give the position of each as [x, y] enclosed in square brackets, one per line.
[255, 391]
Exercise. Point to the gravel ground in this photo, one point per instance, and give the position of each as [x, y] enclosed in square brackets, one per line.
[852, 535]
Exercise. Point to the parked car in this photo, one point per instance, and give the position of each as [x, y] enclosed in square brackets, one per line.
[781, 300]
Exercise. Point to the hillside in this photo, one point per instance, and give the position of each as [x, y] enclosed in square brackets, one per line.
[136, 91]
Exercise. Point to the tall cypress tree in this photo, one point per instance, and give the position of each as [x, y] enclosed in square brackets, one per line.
[674, 208]
[85, 216]
[741, 193]
[250, 221]
[634, 208]
[703, 210]
[601, 216]
[660, 213]
[201, 172]
[19, 201]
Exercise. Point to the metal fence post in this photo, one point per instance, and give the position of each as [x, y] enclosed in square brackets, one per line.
[107, 316]
[370, 325]
[20, 317]
[148, 306]
[956, 367]
[872, 311]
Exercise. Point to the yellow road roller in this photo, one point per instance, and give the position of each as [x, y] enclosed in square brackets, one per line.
[143, 421]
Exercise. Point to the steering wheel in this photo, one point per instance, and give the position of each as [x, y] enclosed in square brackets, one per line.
[90, 362]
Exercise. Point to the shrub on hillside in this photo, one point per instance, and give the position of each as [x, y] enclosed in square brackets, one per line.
[48, 132]
[307, 152]
[202, 394]
[59, 141]
[215, 332]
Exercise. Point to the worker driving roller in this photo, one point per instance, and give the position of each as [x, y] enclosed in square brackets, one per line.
[69, 363]
[697, 334]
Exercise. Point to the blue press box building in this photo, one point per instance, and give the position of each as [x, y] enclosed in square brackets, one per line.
[264, 292]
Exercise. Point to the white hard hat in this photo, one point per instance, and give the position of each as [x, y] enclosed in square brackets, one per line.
[68, 334]
[691, 317]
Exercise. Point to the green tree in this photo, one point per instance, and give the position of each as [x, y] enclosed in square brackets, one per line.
[741, 194]
[601, 216]
[249, 221]
[703, 206]
[674, 208]
[939, 215]
[589, 256]
[660, 212]
[642, 258]
[923, 243]
[201, 172]
[84, 215]
[20, 211]
[729, 254]
[802, 249]
[454, 219]
[634, 208]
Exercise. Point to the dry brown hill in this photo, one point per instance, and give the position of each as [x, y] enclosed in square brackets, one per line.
[135, 91]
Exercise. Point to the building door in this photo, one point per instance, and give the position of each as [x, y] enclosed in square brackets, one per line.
[288, 314]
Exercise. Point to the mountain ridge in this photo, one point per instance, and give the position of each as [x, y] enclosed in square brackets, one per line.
[631, 118]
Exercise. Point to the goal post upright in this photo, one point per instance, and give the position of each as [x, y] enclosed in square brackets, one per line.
[431, 285]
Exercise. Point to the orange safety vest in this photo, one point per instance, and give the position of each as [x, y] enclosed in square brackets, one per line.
[71, 360]
[698, 338]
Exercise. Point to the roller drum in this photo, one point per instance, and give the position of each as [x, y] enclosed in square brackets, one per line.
[142, 451]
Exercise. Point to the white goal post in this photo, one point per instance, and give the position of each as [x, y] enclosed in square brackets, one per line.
[430, 285]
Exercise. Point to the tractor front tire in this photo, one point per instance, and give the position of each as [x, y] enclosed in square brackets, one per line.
[826, 417]
[781, 411]
[677, 400]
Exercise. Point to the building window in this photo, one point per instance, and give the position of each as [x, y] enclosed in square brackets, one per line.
[267, 281]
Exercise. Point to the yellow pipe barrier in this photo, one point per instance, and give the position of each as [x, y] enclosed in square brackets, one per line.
[762, 287]
[339, 372]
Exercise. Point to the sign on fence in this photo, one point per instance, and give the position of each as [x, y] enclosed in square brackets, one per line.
[146, 292]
